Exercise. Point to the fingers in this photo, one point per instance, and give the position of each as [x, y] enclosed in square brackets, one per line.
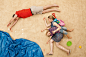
[11, 30]
[8, 24]
[41, 31]
[44, 18]
[47, 43]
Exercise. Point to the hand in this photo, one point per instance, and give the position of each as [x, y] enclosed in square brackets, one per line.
[44, 19]
[47, 43]
[10, 29]
[42, 30]
[8, 24]
[53, 32]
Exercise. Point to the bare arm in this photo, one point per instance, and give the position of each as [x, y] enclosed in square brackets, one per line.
[44, 29]
[12, 20]
[47, 25]
[16, 20]
[49, 39]
[55, 24]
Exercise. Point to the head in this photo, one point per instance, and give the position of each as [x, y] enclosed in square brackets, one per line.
[48, 33]
[51, 18]
[13, 15]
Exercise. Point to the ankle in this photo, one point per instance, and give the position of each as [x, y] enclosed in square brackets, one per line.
[68, 51]
[51, 52]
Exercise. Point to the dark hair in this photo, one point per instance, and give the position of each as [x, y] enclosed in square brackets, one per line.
[51, 17]
[13, 15]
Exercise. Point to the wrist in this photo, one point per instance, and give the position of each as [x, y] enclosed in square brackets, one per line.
[56, 30]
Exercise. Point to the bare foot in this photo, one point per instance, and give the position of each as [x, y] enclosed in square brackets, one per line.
[55, 5]
[69, 37]
[69, 52]
[51, 53]
[71, 30]
[57, 10]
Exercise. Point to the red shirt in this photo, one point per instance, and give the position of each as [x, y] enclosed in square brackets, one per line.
[24, 13]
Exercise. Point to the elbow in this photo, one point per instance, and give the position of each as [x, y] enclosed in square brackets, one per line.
[47, 26]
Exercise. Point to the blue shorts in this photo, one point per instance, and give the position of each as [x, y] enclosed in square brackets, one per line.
[63, 30]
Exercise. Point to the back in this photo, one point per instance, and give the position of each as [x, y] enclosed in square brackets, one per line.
[52, 24]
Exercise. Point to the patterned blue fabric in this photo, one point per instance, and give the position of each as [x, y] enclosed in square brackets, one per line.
[57, 36]
[18, 48]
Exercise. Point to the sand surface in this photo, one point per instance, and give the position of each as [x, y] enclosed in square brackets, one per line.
[73, 13]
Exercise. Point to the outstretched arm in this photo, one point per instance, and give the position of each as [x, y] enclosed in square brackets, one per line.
[49, 39]
[12, 20]
[47, 25]
[44, 29]
[16, 20]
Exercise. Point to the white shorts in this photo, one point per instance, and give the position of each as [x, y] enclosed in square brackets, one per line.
[36, 10]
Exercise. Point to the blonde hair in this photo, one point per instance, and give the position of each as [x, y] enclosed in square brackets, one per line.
[51, 17]
[47, 32]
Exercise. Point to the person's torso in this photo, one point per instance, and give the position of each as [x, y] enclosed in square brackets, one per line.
[24, 13]
[53, 28]
[52, 24]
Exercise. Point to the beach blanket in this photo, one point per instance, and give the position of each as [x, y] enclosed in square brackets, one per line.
[19, 47]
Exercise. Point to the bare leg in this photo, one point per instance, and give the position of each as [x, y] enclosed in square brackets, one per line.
[11, 21]
[14, 22]
[70, 30]
[51, 47]
[61, 47]
[68, 36]
[64, 32]
[49, 6]
[50, 10]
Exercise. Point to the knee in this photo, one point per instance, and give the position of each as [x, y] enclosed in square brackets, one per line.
[51, 41]
[65, 32]
[57, 44]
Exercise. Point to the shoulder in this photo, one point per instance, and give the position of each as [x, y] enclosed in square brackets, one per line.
[55, 23]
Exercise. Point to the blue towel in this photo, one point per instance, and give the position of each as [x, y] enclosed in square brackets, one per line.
[18, 48]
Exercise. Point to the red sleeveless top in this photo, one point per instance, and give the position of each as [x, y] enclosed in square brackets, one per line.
[24, 13]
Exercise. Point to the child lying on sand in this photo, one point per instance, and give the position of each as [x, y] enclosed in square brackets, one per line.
[24, 13]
